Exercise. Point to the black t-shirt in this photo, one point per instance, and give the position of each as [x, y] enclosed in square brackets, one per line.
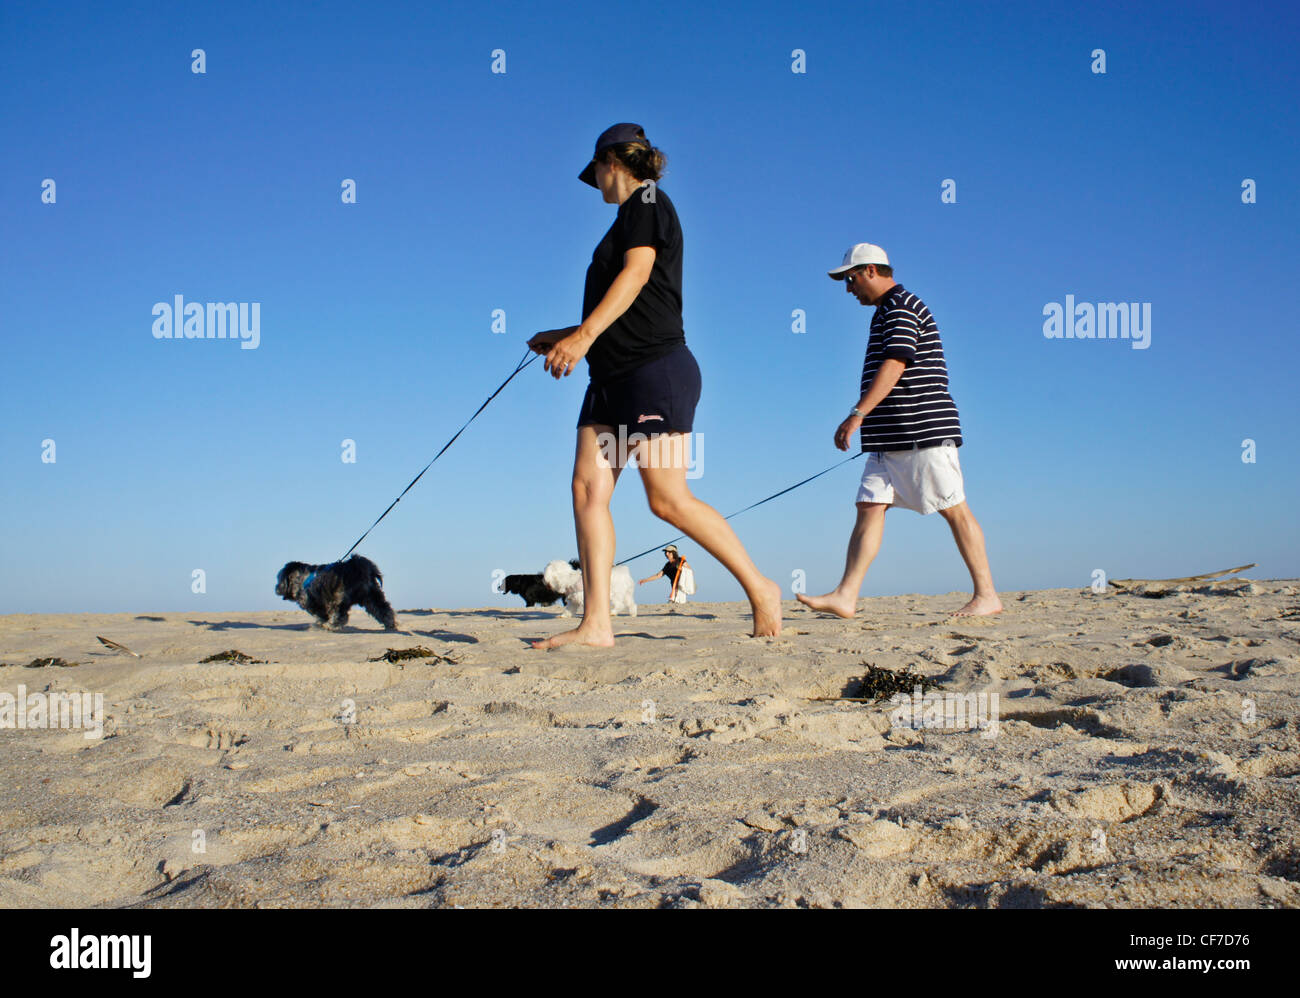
[652, 324]
[670, 570]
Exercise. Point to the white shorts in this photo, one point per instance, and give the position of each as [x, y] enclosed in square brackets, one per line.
[926, 480]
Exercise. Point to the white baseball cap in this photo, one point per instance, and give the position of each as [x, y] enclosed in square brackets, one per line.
[857, 256]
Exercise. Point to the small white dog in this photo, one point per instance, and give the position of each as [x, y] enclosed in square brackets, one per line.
[567, 581]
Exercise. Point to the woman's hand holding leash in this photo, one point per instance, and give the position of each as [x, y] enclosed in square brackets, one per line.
[543, 341]
[566, 353]
[563, 349]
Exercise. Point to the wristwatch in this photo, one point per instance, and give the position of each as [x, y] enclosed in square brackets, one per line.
[854, 412]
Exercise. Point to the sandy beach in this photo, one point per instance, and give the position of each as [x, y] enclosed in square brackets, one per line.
[1143, 751]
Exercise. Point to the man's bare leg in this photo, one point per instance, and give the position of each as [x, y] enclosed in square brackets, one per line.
[970, 542]
[864, 545]
[593, 485]
[662, 460]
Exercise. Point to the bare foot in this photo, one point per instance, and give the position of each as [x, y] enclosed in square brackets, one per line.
[767, 611]
[980, 606]
[580, 635]
[832, 602]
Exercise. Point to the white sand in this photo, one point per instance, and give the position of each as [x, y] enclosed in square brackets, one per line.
[684, 767]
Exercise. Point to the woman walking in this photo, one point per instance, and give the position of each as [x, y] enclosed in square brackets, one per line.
[644, 380]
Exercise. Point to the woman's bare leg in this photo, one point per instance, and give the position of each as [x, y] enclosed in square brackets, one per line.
[594, 478]
[662, 460]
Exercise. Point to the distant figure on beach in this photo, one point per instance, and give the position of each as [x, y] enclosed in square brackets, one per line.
[677, 572]
[908, 425]
[644, 380]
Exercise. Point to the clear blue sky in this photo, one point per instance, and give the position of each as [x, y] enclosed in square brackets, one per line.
[376, 316]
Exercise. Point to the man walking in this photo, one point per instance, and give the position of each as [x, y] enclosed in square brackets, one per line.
[908, 424]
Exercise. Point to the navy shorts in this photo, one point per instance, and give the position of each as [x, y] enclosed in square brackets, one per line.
[658, 397]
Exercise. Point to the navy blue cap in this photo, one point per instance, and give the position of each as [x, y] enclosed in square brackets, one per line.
[614, 135]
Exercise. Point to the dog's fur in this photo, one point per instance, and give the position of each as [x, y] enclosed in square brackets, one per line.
[531, 587]
[336, 588]
[567, 581]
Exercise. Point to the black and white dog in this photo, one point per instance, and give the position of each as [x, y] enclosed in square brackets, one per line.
[533, 589]
[327, 592]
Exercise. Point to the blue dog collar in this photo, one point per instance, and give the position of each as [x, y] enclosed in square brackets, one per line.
[306, 583]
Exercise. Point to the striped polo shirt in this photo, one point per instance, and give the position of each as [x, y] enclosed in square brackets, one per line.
[919, 412]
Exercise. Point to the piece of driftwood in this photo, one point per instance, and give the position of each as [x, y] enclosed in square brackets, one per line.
[1207, 577]
[116, 647]
[844, 699]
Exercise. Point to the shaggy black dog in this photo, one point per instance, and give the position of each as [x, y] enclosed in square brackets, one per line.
[532, 588]
[327, 592]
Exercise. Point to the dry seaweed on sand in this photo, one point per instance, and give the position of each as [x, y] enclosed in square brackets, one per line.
[879, 684]
[41, 663]
[394, 656]
[233, 656]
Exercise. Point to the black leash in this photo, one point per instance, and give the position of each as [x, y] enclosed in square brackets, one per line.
[522, 364]
[760, 502]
